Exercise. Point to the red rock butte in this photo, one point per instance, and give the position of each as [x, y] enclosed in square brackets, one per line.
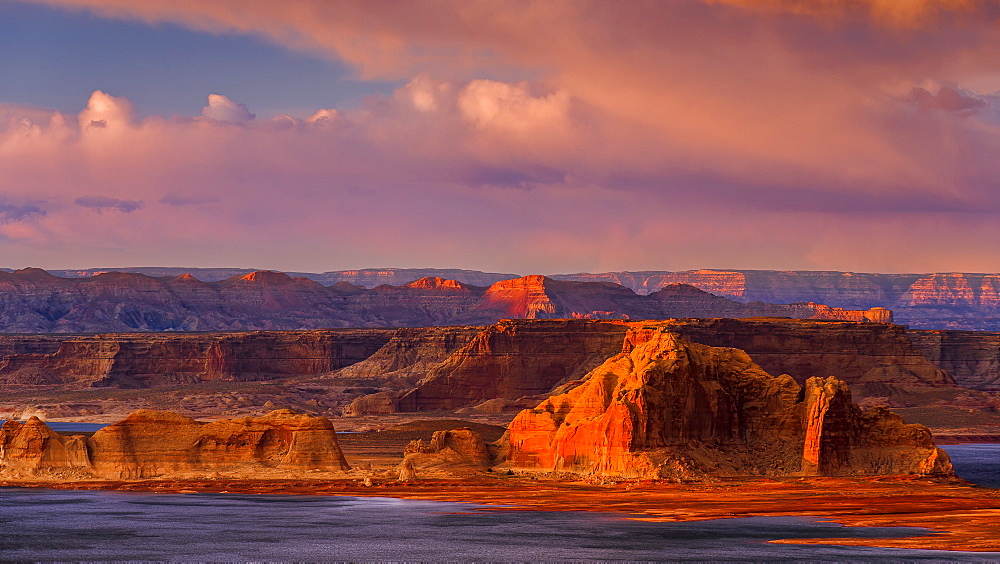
[667, 408]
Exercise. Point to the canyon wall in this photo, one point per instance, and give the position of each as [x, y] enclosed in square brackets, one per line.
[139, 360]
[971, 357]
[518, 358]
[667, 408]
[148, 444]
[513, 359]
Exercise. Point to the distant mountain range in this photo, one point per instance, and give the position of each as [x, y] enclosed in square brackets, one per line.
[35, 301]
[928, 301]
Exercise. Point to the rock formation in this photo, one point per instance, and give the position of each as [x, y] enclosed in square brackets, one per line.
[971, 357]
[140, 360]
[666, 408]
[457, 449]
[518, 358]
[876, 360]
[928, 301]
[513, 359]
[147, 444]
[34, 301]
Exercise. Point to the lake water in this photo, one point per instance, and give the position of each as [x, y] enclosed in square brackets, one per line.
[86, 525]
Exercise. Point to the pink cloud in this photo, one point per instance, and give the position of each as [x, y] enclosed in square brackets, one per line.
[666, 135]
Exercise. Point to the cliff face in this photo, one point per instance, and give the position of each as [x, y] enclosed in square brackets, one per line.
[666, 408]
[971, 357]
[928, 301]
[517, 358]
[147, 444]
[409, 355]
[513, 359]
[139, 360]
[876, 360]
[33, 301]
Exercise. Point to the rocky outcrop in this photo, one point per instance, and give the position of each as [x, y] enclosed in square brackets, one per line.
[140, 360]
[448, 450]
[148, 444]
[667, 408]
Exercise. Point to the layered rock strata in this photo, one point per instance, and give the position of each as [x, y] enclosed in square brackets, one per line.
[518, 358]
[147, 444]
[140, 360]
[513, 359]
[971, 357]
[667, 408]
[949, 300]
[876, 360]
[34, 301]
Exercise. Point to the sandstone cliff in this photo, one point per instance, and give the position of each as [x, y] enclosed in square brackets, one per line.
[518, 358]
[667, 408]
[513, 359]
[147, 444]
[876, 360]
[139, 360]
[971, 357]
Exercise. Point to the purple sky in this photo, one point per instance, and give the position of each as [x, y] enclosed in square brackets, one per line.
[519, 136]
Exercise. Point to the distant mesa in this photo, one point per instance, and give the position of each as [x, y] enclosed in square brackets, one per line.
[32, 301]
[665, 408]
[435, 283]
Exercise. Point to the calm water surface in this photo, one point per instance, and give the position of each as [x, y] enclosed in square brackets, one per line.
[86, 525]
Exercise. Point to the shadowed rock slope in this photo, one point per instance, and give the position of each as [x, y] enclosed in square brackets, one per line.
[667, 408]
[142, 360]
[519, 360]
[156, 443]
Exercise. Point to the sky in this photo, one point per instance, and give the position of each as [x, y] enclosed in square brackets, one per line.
[522, 136]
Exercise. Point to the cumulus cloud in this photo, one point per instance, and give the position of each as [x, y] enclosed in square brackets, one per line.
[104, 110]
[733, 133]
[222, 108]
[101, 204]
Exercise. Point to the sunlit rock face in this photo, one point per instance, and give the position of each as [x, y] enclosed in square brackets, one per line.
[666, 408]
[147, 444]
[517, 358]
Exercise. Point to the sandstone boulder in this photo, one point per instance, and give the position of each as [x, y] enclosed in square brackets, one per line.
[153, 443]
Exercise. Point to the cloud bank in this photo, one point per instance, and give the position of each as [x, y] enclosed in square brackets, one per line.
[844, 135]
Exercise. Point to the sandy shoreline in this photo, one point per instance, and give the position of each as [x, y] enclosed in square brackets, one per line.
[960, 517]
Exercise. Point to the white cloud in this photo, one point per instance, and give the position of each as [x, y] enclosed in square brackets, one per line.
[221, 108]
